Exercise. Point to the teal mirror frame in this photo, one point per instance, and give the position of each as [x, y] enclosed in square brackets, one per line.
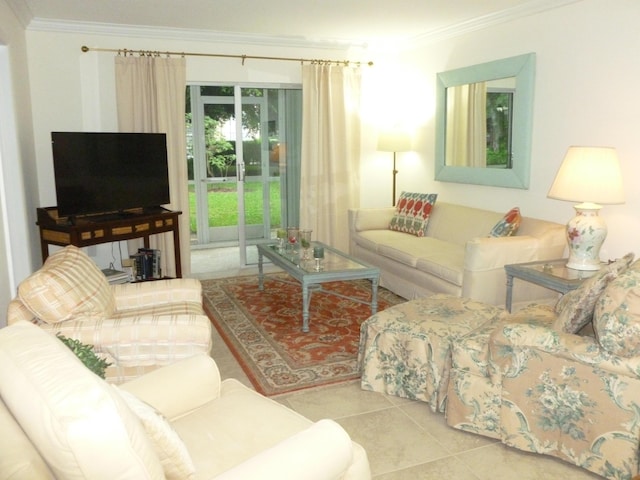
[523, 68]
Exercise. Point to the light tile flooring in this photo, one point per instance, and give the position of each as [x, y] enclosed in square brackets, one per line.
[404, 439]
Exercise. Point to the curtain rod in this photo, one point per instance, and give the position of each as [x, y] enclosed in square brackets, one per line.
[125, 52]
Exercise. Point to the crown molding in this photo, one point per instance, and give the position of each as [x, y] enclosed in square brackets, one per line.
[485, 21]
[141, 31]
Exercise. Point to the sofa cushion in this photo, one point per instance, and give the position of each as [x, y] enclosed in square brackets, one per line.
[445, 261]
[508, 225]
[265, 422]
[77, 422]
[412, 213]
[616, 319]
[175, 459]
[69, 284]
[575, 309]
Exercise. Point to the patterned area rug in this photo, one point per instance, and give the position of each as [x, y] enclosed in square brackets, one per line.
[263, 329]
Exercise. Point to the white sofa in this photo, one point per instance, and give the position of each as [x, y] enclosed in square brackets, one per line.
[59, 420]
[456, 256]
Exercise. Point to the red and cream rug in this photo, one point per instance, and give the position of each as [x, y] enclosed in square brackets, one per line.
[263, 329]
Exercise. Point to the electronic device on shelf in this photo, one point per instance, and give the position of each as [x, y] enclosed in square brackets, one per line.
[109, 173]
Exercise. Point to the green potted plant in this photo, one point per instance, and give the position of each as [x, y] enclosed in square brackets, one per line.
[86, 355]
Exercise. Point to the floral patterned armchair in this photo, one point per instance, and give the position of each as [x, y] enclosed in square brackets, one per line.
[563, 395]
[535, 383]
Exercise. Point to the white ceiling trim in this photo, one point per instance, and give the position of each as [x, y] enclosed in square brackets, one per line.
[140, 31]
[486, 21]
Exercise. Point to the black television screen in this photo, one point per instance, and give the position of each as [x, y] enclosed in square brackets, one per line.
[100, 172]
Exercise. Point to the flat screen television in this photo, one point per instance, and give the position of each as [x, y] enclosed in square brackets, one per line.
[102, 172]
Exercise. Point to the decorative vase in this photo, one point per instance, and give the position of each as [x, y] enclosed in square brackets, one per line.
[305, 243]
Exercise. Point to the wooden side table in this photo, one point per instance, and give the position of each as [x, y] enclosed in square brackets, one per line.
[551, 274]
[94, 230]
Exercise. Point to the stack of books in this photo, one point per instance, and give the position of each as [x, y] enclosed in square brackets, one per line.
[146, 264]
[116, 276]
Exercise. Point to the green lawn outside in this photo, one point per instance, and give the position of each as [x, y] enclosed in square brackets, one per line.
[223, 204]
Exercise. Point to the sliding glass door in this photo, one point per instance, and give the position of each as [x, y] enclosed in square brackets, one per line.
[244, 155]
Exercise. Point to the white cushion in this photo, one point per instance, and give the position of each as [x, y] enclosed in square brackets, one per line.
[69, 284]
[173, 454]
[78, 423]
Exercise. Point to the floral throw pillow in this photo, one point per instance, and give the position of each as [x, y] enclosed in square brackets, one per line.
[575, 309]
[616, 321]
[412, 213]
[508, 225]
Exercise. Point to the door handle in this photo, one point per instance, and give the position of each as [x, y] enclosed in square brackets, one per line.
[240, 172]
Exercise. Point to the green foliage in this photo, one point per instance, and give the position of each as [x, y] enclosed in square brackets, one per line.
[86, 355]
[223, 204]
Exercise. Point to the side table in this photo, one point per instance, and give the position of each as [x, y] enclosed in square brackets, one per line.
[551, 274]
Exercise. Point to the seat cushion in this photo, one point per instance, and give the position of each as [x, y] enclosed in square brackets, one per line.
[231, 441]
[68, 285]
[77, 422]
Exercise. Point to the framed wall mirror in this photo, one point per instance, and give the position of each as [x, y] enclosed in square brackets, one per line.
[484, 119]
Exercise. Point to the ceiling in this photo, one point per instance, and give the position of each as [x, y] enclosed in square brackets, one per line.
[356, 22]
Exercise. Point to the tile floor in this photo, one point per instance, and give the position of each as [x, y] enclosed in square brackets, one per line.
[404, 439]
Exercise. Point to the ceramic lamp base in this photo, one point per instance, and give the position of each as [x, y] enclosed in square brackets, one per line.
[586, 233]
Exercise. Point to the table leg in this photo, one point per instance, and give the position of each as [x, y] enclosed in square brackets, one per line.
[374, 296]
[509, 292]
[260, 272]
[306, 300]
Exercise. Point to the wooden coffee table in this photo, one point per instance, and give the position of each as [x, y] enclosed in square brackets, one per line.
[336, 266]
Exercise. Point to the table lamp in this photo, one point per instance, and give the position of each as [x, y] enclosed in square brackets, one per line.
[590, 175]
[394, 141]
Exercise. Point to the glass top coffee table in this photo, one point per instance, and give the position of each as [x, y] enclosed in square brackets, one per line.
[336, 266]
[551, 274]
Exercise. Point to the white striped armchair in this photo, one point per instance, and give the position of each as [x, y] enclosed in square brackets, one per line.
[136, 327]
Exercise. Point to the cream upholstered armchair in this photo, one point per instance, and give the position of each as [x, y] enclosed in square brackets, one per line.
[135, 327]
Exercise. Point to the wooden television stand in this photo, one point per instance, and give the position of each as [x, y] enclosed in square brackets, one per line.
[83, 231]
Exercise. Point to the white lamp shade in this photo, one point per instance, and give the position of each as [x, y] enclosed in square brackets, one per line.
[589, 174]
[394, 141]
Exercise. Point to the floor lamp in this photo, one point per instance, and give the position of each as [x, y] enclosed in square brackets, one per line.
[590, 175]
[394, 141]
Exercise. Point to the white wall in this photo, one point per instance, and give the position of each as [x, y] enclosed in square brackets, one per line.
[585, 94]
[75, 91]
[18, 247]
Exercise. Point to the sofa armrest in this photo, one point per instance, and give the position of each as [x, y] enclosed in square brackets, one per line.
[511, 341]
[484, 261]
[487, 253]
[129, 296]
[321, 452]
[361, 219]
[17, 311]
[178, 388]
[141, 339]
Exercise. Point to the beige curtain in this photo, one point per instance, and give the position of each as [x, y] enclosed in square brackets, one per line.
[466, 144]
[330, 168]
[150, 95]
